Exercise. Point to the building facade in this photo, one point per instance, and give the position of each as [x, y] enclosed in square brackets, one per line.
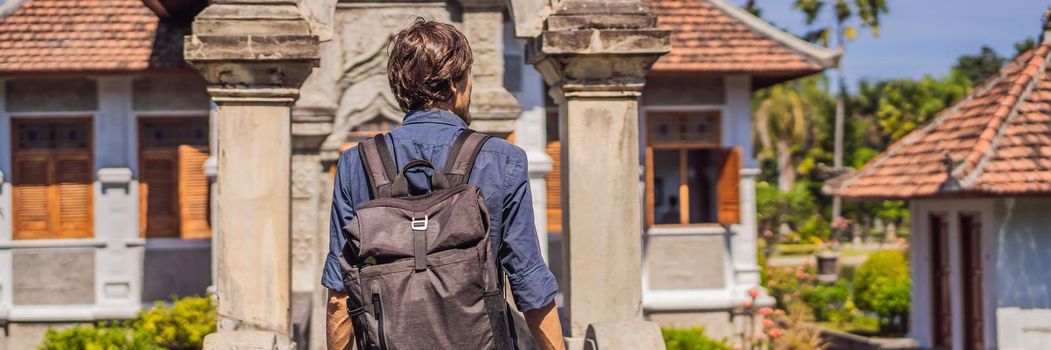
[978, 178]
[104, 146]
[108, 181]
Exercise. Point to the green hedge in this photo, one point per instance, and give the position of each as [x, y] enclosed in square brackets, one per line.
[181, 326]
[882, 285]
[691, 339]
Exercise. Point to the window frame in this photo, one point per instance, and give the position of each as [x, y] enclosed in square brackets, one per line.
[53, 154]
[683, 148]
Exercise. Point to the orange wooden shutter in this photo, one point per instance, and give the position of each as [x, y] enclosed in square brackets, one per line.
[193, 192]
[31, 196]
[554, 187]
[728, 189]
[158, 180]
[73, 187]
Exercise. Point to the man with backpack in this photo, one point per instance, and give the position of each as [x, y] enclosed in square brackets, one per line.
[429, 218]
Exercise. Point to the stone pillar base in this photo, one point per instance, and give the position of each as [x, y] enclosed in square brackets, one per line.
[247, 340]
[618, 335]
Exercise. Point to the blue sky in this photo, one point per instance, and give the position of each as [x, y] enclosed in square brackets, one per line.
[921, 37]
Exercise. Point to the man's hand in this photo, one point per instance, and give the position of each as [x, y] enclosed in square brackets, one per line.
[339, 330]
[546, 329]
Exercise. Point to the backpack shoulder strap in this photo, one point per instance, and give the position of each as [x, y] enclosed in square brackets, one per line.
[379, 165]
[462, 154]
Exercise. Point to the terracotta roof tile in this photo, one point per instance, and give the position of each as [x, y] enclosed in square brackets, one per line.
[44, 36]
[707, 38]
[995, 141]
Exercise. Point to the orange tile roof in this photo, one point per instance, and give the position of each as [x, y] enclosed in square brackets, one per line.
[996, 141]
[49, 36]
[713, 36]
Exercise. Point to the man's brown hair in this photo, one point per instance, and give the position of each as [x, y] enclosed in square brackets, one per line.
[426, 59]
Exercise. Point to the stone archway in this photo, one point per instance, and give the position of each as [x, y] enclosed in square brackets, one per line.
[257, 55]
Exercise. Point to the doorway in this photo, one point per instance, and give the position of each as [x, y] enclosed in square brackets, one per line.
[941, 293]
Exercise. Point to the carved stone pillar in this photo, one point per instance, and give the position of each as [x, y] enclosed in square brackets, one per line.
[254, 55]
[595, 55]
[493, 108]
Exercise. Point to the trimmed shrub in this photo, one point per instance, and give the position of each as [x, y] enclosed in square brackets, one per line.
[181, 326]
[882, 285]
[691, 339]
[825, 300]
[116, 336]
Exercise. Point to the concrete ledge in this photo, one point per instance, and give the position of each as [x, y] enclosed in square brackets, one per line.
[697, 300]
[842, 340]
[52, 243]
[69, 313]
[246, 340]
[698, 230]
[114, 176]
[617, 335]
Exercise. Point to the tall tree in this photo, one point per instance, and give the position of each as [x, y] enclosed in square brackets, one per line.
[842, 28]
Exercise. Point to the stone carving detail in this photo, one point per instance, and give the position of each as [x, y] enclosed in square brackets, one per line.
[365, 91]
[303, 232]
[304, 177]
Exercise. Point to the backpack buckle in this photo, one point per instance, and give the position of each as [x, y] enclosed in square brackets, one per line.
[419, 224]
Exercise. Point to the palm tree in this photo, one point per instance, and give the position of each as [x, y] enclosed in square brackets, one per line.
[781, 125]
[868, 13]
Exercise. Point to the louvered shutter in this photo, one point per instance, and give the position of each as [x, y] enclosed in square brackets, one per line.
[31, 196]
[72, 188]
[728, 189]
[158, 186]
[554, 187]
[193, 192]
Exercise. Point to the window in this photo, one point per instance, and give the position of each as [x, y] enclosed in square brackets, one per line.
[52, 178]
[690, 178]
[173, 187]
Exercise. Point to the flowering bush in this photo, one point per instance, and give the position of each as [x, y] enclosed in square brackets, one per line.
[777, 329]
[784, 283]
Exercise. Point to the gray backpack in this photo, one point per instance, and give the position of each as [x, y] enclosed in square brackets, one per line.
[420, 270]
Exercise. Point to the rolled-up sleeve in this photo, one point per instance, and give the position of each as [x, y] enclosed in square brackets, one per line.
[342, 212]
[532, 283]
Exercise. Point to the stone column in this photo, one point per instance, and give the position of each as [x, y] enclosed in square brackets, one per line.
[595, 55]
[493, 108]
[254, 55]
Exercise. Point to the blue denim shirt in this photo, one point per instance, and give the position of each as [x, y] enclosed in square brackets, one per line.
[500, 171]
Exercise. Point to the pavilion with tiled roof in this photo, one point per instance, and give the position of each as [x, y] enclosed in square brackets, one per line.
[978, 180]
[996, 141]
[713, 37]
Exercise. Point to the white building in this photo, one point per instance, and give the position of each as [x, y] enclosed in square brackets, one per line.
[978, 181]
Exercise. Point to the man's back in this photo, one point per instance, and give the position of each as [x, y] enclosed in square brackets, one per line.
[499, 171]
[429, 71]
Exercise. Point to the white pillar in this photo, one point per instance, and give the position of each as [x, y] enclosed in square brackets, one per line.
[737, 127]
[6, 224]
[118, 266]
[531, 135]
